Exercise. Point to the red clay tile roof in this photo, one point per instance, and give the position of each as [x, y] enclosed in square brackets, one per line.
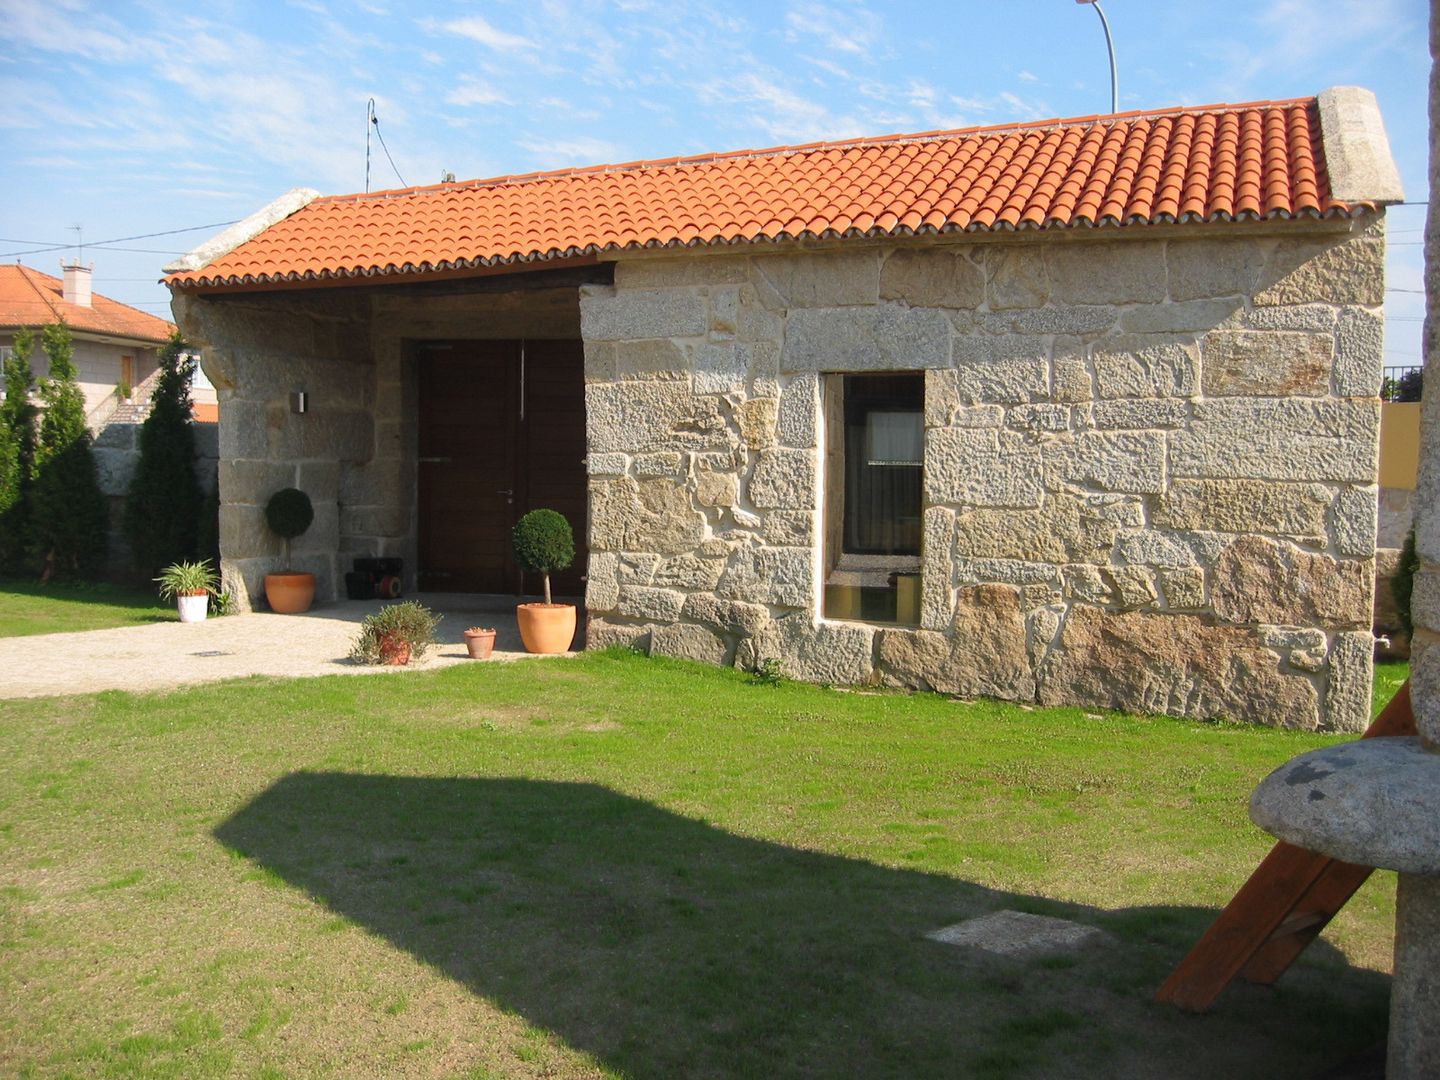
[30, 298]
[205, 412]
[1218, 163]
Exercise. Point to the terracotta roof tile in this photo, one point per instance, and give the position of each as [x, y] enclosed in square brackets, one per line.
[1216, 163]
[30, 298]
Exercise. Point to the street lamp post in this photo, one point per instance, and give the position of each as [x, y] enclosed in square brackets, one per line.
[1109, 45]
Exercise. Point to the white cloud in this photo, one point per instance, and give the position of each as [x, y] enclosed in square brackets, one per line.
[581, 150]
[472, 91]
[855, 30]
[477, 29]
[45, 26]
[1027, 76]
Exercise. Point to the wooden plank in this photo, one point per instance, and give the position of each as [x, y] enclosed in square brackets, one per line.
[1283, 907]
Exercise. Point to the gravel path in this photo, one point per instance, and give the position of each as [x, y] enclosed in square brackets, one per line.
[166, 655]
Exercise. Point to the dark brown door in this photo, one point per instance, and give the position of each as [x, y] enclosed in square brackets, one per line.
[502, 431]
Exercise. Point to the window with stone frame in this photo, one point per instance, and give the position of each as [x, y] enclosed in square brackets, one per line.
[875, 438]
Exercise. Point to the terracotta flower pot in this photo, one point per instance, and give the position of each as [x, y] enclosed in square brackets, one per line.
[193, 606]
[546, 628]
[289, 593]
[394, 651]
[480, 642]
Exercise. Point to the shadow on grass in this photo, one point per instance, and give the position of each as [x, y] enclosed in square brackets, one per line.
[667, 947]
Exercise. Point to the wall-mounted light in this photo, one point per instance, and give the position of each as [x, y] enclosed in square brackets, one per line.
[299, 402]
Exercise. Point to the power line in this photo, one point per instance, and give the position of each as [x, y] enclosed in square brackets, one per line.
[116, 240]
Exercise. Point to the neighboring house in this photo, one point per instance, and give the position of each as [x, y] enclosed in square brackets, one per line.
[115, 346]
[1075, 412]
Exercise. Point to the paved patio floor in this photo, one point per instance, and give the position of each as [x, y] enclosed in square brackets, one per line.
[166, 655]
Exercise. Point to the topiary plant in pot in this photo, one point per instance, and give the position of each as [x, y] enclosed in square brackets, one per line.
[289, 513]
[543, 543]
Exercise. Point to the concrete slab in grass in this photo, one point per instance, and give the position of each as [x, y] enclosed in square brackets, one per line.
[1015, 933]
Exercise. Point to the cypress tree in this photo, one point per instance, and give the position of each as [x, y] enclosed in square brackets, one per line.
[67, 511]
[162, 508]
[17, 450]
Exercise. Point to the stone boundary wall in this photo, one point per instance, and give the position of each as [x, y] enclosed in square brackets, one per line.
[1149, 463]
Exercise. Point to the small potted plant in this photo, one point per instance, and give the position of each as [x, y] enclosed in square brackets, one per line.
[480, 642]
[544, 543]
[189, 585]
[396, 634]
[289, 513]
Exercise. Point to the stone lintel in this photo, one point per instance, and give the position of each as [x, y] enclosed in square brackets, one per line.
[242, 231]
[1357, 150]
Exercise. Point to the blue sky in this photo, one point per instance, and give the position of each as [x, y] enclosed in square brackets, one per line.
[139, 118]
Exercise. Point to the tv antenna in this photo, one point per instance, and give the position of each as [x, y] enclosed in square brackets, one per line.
[373, 121]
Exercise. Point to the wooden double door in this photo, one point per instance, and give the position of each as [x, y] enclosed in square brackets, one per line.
[501, 432]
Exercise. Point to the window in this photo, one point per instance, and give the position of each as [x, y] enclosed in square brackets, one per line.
[874, 472]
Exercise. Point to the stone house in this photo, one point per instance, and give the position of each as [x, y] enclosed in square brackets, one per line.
[1076, 412]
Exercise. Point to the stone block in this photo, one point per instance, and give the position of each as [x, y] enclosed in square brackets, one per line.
[1001, 369]
[1063, 529]
[1070, 378]
[644, 602]
[1019, 572]
[981, 468]
[934, 278]
[1258, 580]
[1146, 366]
[724, 311]
[721, 368]
[114, 470]
[653, 359]
[1143, 413]
[1123, 461]
[716, 488]
[607, 464]
[884, 337]
[600, 365]
[119, 437]
[1355, 519]
[245, 430]
[1190, 317]
[1245, 506]
[784, 480]
[1106, 273]
[1183, 588]
[769, 575]
[643, 313]
[943, 407]
[320, 480]
[756, 418]
[685, 641]
[1015, 277]
[689, 572]
[1306, 318]
[797, 421]
[1279, 439]
[1359, 353]
[1086, 583]
[790, 528]
[602, 585]
[1135, 586]
[1198, 269]
[662, 463]
[606, 634]
[643, 273]
[244, 534]
[1350, 682]
[984, 653]
[1324, 269]
[1038, 419]
[1067, 319]
[637, 567]
[1181, 665]
[835, 654]
[1273, 363]
[650, 515]
[728, 616]
[827, 280]
[1151, 547]
[630, 417]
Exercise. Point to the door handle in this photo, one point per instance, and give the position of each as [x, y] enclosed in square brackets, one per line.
[435, 460]
[506, 491]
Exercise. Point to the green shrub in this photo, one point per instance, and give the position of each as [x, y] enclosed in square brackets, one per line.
[18, 414]
[289, 513]
[409, 621]
[1402, 585]
[543, 543]
[68, 514]
[162, 507]
[187, 579]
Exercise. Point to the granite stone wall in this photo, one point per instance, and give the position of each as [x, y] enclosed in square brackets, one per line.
[1149, 472]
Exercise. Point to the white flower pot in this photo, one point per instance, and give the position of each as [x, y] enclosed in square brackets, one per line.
[193, 608]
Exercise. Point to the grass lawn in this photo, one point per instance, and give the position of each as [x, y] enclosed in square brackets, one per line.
[27, 608]
[621, 867]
